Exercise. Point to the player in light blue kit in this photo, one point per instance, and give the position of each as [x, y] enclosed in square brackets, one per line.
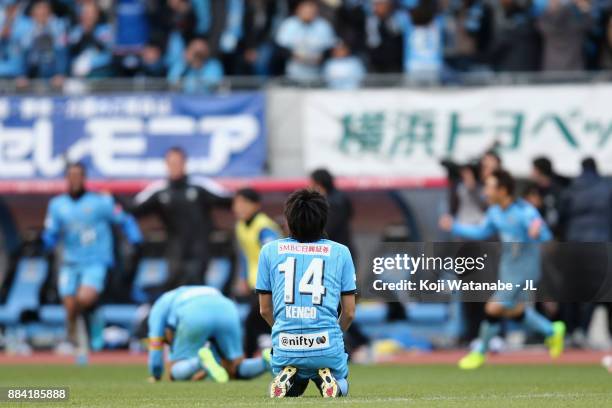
[82, 221]
[301, 281]
[189, 317]
[520, 229]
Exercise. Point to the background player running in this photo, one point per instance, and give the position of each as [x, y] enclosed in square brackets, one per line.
[301, 280]
[520, 228]
[82, 221]
[189, 317]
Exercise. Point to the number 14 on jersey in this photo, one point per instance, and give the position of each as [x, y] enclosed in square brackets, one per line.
[311, 282]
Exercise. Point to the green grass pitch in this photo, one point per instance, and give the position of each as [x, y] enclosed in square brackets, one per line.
[383, 385]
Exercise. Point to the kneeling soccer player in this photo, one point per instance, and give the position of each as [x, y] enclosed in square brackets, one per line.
[187, 318]
[520, 228]
[301, 280]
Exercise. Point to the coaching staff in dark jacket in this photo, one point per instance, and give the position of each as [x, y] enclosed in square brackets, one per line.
[338, 226]
[184, 207]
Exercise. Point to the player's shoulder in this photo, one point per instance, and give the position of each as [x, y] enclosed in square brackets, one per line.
[59, 201]
[526, 208]
[269, 248]
[101, 197]
[99, 200]
[208, 185]
[272, 246]
[150, 190]
[336, 248]
[167, 296]
[494, 210]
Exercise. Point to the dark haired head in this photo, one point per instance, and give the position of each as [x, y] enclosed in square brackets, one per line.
[306, 213]
[176, 163]
[178, 150]
[504, 180]
[323, 178]
[492, 153]
[75, 177]
[589, 165]
[530, 188]
[77, 165]
[543, 165]
[249, 194]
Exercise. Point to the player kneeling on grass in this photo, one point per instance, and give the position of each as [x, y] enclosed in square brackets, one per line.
[520, 228]
[300, 281]
[189, 317]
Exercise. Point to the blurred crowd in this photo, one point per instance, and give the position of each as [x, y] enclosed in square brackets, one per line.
[197, 42]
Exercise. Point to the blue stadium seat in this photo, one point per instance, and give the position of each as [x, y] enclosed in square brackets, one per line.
[418, 313]
[426, 321]
[113, 314]
[120, 315]
[25, 291]
[53, 315]
[152, 272]
[219, 272]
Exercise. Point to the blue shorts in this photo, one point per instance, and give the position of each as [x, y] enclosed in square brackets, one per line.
[519, 263]
[213, 319]
[309, 366]
[73, 276]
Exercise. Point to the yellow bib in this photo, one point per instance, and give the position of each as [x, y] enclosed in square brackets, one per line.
[248, 239]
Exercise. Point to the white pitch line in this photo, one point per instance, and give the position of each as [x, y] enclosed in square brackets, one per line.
[365, 400]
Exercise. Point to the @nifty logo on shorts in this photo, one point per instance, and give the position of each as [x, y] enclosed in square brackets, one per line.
[310, 341]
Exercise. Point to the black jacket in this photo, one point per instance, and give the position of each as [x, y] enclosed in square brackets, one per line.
[184, 208]
[587, 209]
[338, 226]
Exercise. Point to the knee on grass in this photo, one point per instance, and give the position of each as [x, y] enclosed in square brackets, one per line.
[185, 370]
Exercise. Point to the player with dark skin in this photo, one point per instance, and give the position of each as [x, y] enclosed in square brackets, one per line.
[86, 296]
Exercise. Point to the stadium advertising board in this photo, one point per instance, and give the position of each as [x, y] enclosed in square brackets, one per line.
[407, 132]
[125, 136]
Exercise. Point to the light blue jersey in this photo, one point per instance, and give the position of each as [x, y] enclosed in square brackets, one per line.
[512, 224]
[84, 227]
[196, 315]
[306, 281]
[308, 41]
[520, 255]
[163, 314]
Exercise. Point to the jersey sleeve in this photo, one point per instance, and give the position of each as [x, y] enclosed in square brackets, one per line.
[531, 216]
[349, 279]
[476, 232]
[267, 235]
[147, 201]
[51, 233]
[285, 34]
[263, 272]
[127, 222]
[157, 326]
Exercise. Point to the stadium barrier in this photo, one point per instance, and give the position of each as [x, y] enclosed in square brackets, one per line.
[382, 138]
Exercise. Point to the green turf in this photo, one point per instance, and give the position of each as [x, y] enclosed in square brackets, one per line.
[380, 386]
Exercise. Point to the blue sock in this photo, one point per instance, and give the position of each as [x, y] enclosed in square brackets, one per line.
[488, 330]
[343, 385]
[185, 369]
[96, 330]
[538, 323]
[251, 367]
